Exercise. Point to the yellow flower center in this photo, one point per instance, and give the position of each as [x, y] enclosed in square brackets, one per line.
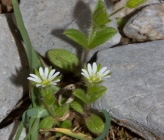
[46, 82]
[95, 78]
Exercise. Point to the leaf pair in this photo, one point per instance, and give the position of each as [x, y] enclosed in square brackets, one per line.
[93, 93]
[99, 38]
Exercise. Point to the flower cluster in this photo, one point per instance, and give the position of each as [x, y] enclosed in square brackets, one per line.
[94, 74]
[45, 77]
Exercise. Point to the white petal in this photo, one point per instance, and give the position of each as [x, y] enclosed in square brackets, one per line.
[85, 73]
[50, 74]
[41, 72]
[53, 83]
[107, 76]
[102, 70]
[89, 69]
[105, 73]
[34, 78]
[46, 73]
[53, 76]
[38, 85]
[94, 67]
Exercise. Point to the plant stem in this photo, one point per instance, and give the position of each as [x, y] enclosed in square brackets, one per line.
[116, 11]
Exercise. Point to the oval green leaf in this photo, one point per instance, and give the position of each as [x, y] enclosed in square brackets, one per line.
[77, 105]
[102, 36]
[79, 93]
[134, 3]
[100, 17]
[95, 124]
[77, 36]
[47, 122]
[63, 59]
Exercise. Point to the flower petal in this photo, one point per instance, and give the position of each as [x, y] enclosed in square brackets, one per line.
[89, 69]
[55, 75]
[102, 70]
[41, 72]
[105, 73]
[50, 74]
[38, 85]
[85, 73]
[46, 73]
[108, 76]
[34, 78]
[94, 68]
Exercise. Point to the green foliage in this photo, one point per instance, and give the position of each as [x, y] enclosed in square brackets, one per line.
[63, 59]
[102, 36]
[77, 105]
[95, 124]
[77, 36]
[50, 108]
[134, 3]
[79, 93]
[66, 124]
[61, 110]
[100, 17]
[94, 92]
[107, 125]
[47, 122]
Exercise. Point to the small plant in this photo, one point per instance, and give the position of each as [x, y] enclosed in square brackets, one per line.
[58, 110]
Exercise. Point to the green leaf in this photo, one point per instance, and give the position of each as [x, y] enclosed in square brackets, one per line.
[107, 125]
[95, 124]
[62, 110]
[34, 128]
[66, 124]
[100, 17]
[32, 56]
[19, 131]
[77, 105]
[95, 92]
[79, 93]
[77, 36]
[102, 36]
[47, 122]
[134, 3]
[63, 59]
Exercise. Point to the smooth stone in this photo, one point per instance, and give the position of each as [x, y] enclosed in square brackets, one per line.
[13, 82]
[147, 24]
[134, 94]
[127, 11]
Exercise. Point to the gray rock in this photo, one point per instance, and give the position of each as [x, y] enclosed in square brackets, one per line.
[13, 69]
[127, 11]
[135, 90]
[148, 24]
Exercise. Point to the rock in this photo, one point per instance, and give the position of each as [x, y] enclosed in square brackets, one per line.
[46, 21]
[134, 94]
[13, 82]
[126, 11]
[148, 24]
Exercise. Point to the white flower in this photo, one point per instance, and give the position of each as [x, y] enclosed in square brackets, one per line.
[94, 74]
[45, 77]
